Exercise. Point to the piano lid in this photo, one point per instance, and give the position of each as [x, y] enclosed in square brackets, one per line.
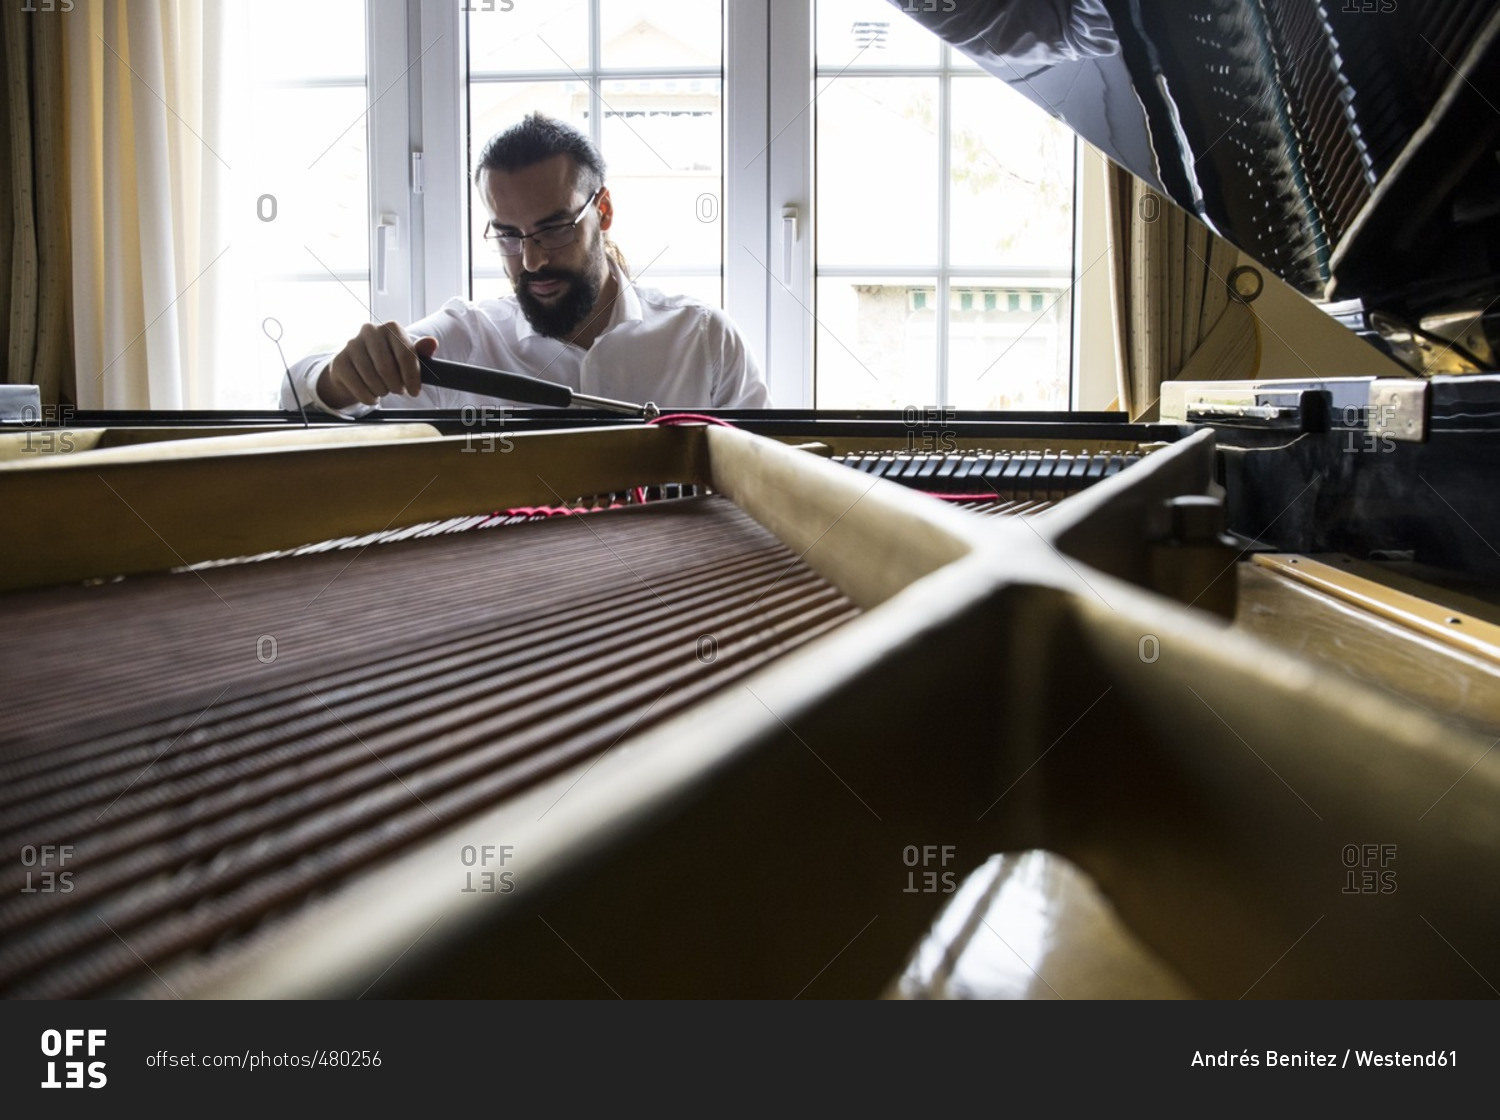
[1350, 146]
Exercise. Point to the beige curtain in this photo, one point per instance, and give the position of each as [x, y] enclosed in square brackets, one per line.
[1173, 314]
[34, 288]
[152, 261]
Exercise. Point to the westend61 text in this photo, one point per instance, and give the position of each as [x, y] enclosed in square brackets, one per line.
[1274, 1059]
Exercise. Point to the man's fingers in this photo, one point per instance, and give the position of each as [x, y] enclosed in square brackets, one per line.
[373, 362]
[379, 360]
[399, 360]
[359, 375]
[425, 347]
[357, 370]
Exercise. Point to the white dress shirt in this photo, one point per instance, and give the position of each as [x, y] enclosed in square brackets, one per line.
[670, 350]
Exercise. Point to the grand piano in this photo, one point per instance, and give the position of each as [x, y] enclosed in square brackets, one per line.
[810, 704]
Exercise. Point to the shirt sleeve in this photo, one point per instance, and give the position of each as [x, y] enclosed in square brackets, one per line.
[450, 325]
[303, 390]
[738, 381]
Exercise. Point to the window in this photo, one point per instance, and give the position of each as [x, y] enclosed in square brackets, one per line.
[945, 278]
[303, 192]
[888, 224]
[645, 81]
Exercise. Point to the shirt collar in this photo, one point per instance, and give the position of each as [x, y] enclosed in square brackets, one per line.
[627, 307]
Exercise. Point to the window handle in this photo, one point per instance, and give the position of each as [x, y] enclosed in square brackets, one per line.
[788, 242]
[386, 243]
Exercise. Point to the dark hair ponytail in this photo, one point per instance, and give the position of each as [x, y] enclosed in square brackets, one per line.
[612, 251]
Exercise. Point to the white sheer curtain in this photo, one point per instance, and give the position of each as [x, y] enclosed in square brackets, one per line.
[152, 93]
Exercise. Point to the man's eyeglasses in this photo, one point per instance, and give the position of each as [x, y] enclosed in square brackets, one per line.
[548, 237]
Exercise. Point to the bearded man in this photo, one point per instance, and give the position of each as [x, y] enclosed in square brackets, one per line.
[576, 317]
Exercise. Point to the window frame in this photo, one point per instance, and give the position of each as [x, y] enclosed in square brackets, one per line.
[388, 66]
[439, 150]
[769, 112]
[947, 67]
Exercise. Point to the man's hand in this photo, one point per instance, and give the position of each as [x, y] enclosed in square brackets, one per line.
[380, 359]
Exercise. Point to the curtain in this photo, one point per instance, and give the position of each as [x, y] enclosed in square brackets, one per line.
[152, 261]
[34, 281]
[1173, 313]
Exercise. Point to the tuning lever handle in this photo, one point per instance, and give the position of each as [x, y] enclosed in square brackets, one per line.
[495, 383]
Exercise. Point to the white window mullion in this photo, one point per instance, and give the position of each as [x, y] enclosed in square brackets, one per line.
[792, 299]
[944, 172]
[746, 204]
[442, 254]
[388, 126]
[596, 84]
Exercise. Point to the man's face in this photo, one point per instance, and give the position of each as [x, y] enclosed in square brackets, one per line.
[556, 288]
